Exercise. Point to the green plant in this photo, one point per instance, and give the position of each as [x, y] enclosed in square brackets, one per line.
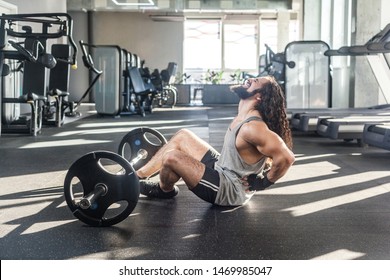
[214, 77]
[181, 78]
[237, 77]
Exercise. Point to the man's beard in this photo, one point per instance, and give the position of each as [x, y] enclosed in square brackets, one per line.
[241, 91]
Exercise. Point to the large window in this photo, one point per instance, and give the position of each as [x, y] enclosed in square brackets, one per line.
[229, 46]
[269, 35]
[219, 46]
[240, 46]
[202, 44]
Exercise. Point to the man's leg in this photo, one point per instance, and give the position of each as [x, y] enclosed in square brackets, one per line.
[176, 165]
[184, 149]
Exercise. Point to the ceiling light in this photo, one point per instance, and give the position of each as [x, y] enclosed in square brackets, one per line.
[167, 18]
[147, 3]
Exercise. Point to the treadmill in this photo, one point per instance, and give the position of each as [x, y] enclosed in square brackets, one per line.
[375, 50]
[350, 127]
[306, 121]
[377, 135]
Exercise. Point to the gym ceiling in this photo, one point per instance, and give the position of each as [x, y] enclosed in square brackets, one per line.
[181, 8]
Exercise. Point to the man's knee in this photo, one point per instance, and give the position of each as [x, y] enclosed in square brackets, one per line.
[182, 134]
[171, 159]
[189, 144]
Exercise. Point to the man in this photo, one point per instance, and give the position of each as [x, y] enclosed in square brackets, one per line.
[259, 134]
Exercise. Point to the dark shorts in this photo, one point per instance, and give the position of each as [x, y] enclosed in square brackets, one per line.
[209, 184]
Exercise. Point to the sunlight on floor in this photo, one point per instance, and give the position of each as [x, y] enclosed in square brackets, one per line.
[124, 253]
[62, 143]
[342, 254]
[39, 227]
[332, 202]
[117, 130]
[327, 183]
[132, 123]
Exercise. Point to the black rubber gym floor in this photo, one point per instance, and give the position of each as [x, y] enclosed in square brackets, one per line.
[333, 203]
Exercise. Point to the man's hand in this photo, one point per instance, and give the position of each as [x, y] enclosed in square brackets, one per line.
[258, 183]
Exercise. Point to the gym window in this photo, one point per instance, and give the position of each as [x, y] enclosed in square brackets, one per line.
[228, 45]
[202, 47]
[218, 45]
[240, 46]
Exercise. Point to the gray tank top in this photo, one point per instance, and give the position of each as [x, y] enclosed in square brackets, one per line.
[231, 168]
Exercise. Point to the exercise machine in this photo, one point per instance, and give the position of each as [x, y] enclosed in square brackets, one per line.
[375, 50]
[28, 47]
[307, 79]
[118, 86]
[138, 93]
[377, 134]
[106, 63]
[349, 127]
[90, 65]
[166, 92]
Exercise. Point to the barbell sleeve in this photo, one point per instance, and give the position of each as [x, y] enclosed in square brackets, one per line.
[142, 154]
[89, 199]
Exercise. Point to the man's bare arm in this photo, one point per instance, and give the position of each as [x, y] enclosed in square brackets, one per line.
[271, 145]
[282, 157]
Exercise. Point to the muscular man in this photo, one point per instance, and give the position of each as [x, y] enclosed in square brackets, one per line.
[255, 154]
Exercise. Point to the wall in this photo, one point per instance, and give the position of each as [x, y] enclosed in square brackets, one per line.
[39, 6]
[156, 42]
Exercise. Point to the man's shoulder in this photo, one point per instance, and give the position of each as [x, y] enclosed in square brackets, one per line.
[254, 126]
[254, 131]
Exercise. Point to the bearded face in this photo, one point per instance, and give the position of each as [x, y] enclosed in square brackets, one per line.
[250, 87]
[242, 91]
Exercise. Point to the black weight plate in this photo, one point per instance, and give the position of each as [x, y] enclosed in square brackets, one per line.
[141, 138]
[121, 186]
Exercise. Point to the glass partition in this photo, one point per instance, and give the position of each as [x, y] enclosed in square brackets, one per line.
[308, 82]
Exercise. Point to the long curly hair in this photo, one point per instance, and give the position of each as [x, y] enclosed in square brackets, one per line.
[272, 109]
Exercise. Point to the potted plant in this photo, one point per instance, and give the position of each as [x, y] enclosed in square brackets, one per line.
[216, 92]
[213, 77]
[237, 77]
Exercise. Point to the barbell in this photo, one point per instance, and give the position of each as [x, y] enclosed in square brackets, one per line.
[102, 188]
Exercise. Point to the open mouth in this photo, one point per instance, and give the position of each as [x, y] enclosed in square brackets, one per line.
[247, 83]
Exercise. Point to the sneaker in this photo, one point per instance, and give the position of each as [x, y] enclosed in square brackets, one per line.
[152, 189]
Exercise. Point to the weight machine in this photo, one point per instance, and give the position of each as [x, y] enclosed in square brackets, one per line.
[163, 82]
[90, 65]
[31, 53]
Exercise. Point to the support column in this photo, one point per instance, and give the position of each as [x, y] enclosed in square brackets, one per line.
[283, 30]
[368, 23]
